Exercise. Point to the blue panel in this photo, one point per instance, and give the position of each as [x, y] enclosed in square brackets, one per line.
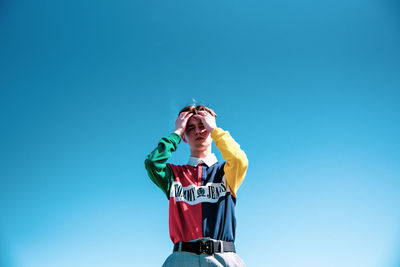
[219, 220]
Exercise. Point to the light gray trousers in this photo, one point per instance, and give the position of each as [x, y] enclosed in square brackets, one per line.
[187, 259]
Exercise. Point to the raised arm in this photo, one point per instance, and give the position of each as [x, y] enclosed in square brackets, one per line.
[236, 160]
[156, 162]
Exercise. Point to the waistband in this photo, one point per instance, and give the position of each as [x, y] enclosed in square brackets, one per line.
[205, 247]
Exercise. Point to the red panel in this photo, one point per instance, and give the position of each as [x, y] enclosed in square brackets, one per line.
[186, 174]
[185, 221]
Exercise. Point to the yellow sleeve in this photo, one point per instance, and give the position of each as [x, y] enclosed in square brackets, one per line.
[236, 160]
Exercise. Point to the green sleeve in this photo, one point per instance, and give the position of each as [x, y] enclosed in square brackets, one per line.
[156, 162]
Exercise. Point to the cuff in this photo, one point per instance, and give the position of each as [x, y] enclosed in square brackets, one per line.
[175, 138]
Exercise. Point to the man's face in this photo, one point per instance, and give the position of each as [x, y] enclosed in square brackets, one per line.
[196, 134]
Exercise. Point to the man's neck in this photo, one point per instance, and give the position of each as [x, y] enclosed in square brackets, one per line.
[201, 154]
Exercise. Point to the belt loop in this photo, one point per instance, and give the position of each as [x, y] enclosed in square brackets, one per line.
[180, 246]
[222, 246]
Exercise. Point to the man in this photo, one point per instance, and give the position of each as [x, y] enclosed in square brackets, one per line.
[202, 194]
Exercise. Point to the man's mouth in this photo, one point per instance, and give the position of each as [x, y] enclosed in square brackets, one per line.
[199, 138]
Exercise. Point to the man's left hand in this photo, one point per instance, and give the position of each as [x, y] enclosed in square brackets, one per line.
[207, 119]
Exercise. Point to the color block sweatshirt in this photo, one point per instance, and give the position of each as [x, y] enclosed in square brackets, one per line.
[202, 198]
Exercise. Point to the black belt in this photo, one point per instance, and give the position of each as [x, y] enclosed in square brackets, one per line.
[205, 247]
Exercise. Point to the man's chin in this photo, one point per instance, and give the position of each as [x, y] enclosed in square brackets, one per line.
[202, 143]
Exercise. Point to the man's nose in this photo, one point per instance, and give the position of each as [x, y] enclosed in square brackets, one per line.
[199, 130]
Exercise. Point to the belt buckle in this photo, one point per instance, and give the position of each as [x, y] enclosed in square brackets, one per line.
[206, 247]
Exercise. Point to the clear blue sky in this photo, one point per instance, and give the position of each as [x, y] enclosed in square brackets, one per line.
[310, 90]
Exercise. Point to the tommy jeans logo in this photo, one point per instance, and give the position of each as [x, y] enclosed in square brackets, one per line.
[201, 192]
[192, 194]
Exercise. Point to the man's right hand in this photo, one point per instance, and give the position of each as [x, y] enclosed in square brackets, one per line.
[181, 121]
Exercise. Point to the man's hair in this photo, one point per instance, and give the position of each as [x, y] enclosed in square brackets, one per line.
[195, 108]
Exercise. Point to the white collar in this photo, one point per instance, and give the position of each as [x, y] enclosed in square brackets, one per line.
[209, 160]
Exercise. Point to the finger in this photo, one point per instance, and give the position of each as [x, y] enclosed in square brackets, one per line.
[198, 116]
[203, 113]
[187, 117]
[183, 114]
